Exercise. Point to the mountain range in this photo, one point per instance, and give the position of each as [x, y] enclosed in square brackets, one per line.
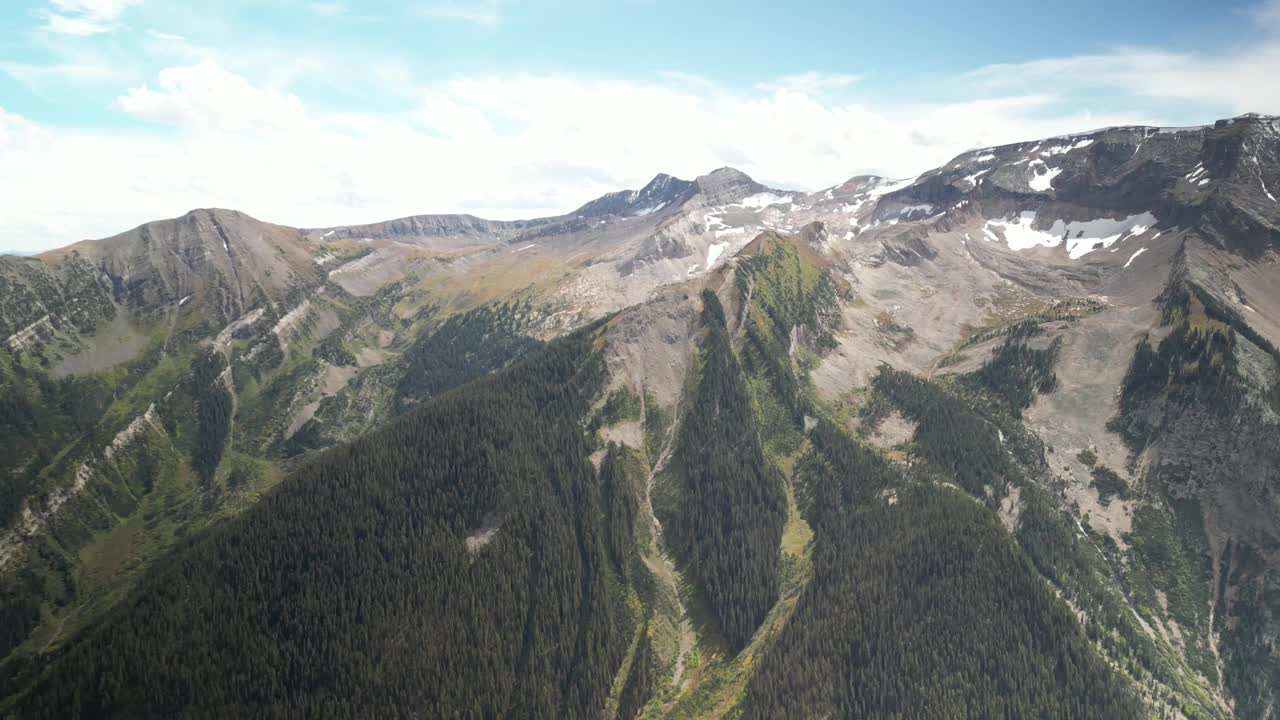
[999, 440]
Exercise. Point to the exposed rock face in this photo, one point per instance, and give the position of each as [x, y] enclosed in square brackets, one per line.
[35, 297]
[727, 185]
[1214, 178]
[435, 231]
[661, 192]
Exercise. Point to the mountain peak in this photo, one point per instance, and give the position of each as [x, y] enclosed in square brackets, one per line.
[661, 192]
[727, 184]
[726, 174]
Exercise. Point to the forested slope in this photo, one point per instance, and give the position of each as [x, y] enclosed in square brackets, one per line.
[731, 503]
[454, 564]
[922, 607]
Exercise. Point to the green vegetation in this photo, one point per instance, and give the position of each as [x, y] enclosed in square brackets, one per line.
[39, 418]
[466, 346]
[456, 562]
[1109, 485]
[657, 426]
[950, 435]
[212, 412]
[1171, 575]
[332, 351]
[727, 522]
[1251, 672]
[1187, 300]
[1088, 457]
[1016, 372]
[622, 404]
[1011, 311]
[642, 680]
[1087, 576]
[790, 310]
[621, 508]
[1195, 365]
[923, 608]
[837, 476]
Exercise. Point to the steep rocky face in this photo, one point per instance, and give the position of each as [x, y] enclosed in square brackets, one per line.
[661, 192]
[40, 300]
[1213, 179]
[231, 259]
[434, 231]
[727, 185]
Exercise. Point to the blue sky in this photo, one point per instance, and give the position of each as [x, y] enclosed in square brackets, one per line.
[114, 112]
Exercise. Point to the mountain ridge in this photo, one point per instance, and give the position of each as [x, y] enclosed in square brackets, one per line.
[1060, 320]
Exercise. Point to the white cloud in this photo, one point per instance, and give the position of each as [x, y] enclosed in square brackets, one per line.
[170, 37]
[207, 96]
[36, 76]
[478, 12]
[64, 25]
[813, 82]
[1241, 79]
[85, 17]
[105, 9]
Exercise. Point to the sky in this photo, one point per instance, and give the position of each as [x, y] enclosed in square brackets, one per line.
[315, 113]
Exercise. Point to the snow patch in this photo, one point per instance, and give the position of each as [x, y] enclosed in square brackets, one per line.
[714, 252]
[852, 209]
[974, 178]
[1261, 180]
[328, 233]
[183, 301]
[522, 249]
[887, 186]
[649, 210]
[1135, 256]
[1063, 149]
[1020, 235]
[909, 209]
[1043, 182]
[1084, 237]
[1081, 238]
